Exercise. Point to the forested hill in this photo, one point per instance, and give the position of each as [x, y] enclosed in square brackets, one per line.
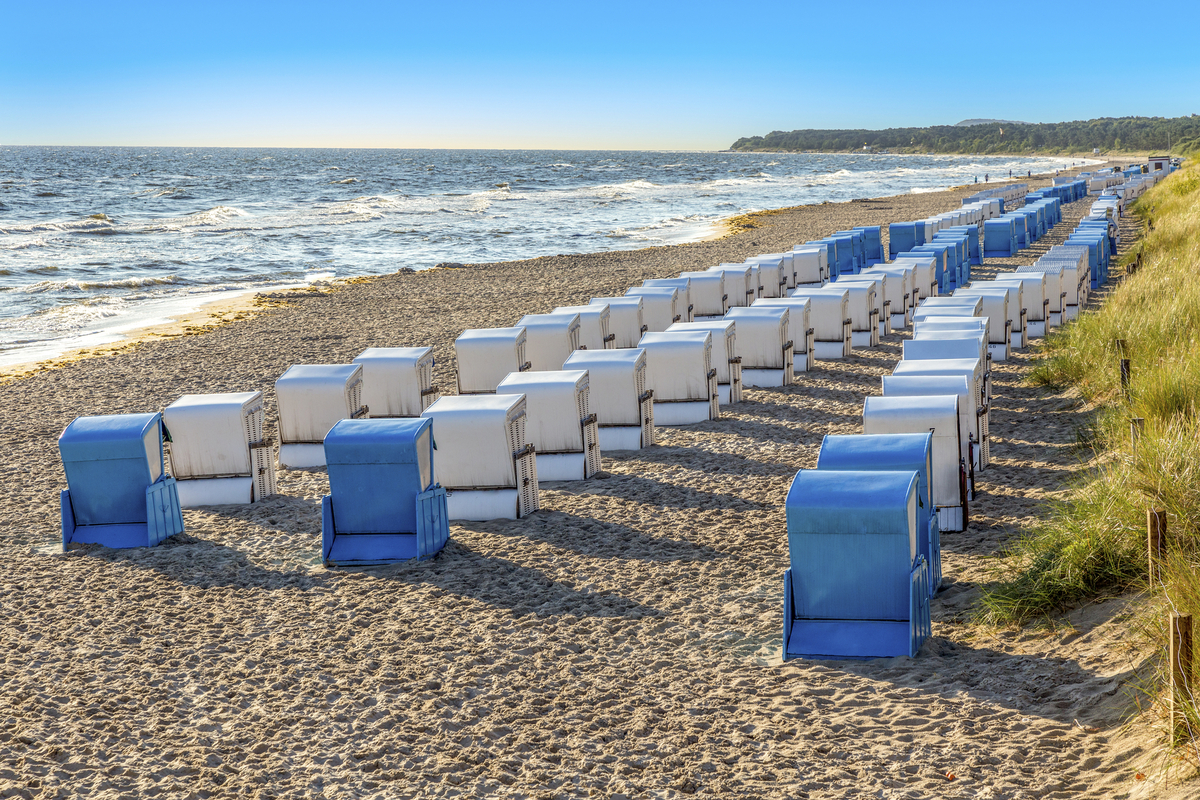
[1107, 133]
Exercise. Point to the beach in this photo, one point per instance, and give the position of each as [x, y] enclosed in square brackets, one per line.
[622, 642]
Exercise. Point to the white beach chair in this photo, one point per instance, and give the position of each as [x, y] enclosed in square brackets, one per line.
[924, 281]
[864, 319]
[772, 273]
[684, 285]
[971, 368]
[217, 452]
[594, 330]
[810, 266]
[764, 344]
[625, 319]
[707, 295]
[904, 296]
[729, 368]
[800, 329]
[1056, 293]
[972, 424]
[312, 398]
[1035, 299]
[739, 288]
[936, 414]
[885, 285]
[1013, 303]
[397, 381]
[484, 460]
[486, 355]
[559, 422]
[947, 344]
[829, 313]
[662, 306]
[618, 395]
[680, 373]
[549, 339]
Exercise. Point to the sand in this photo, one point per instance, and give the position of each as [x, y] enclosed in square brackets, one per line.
[622, 642]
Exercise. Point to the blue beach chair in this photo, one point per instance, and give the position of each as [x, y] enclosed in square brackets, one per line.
[383, 504]
[118, 493]
[857, 586]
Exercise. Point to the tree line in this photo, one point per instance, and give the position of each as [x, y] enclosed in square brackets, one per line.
[1138, 134]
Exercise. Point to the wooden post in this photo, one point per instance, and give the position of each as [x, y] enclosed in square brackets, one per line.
[1125, 377]
[1156, 541]
[1136, 426]
[1181, 673]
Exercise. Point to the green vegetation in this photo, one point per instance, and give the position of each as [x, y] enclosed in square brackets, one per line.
[1128, 134]
[1094, 539]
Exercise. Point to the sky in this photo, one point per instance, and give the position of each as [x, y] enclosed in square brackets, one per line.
[562, 75]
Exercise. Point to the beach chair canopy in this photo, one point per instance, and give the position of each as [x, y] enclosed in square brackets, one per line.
[549, 339]
[313, 397]
[764, 341]
[661, 306]
[625, 320]
[678, 364]
[486, 355]
[616, 381]
[594, 332]
[936, 414]
[725, 352]
[478, 438]
[211, 434]
[556, 403]
[397, 381]
[706, 292]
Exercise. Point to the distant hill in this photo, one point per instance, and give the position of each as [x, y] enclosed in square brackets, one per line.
[967, 122]
[1139, 134]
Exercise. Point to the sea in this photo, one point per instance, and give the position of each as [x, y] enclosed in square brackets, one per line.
[96, 242]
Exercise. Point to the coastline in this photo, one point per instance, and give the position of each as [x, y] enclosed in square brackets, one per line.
[623, 641]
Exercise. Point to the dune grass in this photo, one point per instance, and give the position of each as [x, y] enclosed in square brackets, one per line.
[1093, 540]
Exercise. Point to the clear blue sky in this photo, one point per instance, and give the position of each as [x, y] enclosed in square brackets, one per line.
[622, 75]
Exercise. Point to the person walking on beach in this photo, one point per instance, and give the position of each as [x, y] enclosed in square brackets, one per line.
[985, 178]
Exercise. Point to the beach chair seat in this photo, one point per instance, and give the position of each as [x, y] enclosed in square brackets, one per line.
[884, 285]
[726, 360]
[594, 329]
[800, 329]
[118, 493]
[680, 373]
[706, 293]
[684, 306]
[625, 319]
[486, 355]
[903, 452]
[829, 313]
[765, 346]
[936, 414]
[559, 422]
[217, 452]
[618, 396]
[549, 339]
[810, 265]
[972, 417]
[383, 504]
[857, 585]
[312, 398]
[397, 381]
[485, 462]
[662, 306]
[739, 288]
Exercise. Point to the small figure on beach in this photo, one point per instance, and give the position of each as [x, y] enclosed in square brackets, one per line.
[977, 179]
[985, 178]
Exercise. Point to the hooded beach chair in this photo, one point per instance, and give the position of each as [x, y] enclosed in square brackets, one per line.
[662, 306]
[1034, 299]
[594, 331]
[800, 330]
[625, 319]
[217, 451]
[772, 273]
[810, 265]
[312, 398]
[907, 278]
[685, 306]
[972, 418]
[947, 344]
[1016, 312]
[484, 460]
[118, 493]
[397, 381]
[902, 452]
[1056, 297]
[883, 284]
[706, 293]
[726, 360]
[739, 289]
[383, 504]
[829, 314]
[864, 318]
[936, 414]
[559, 422]
[680, 373]
[857, 586]
[618, 396]
[549, 339]
[486, 355]
[764, 344]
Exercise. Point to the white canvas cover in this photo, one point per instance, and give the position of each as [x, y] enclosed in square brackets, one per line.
[211, 434]
[864, 323]
[1055, 293]
[624, 319]
[936, 413]
[809, 264]
[685, 305]
[617, 390]
[763, 343]
[829, 311]
[726, 361]
[594, 333]
[486, 355]
[738, 287]
[953, 335]
[397, 381]
[707, 293]
[772, 277]
[660, 306]
[884, 289]
[947, 322]
[1033, 291]
[922, 280]
[549, 339]
[936, 346]
[969, 423]
[800, 330]
[972, 368]
[313, 397]
[677, 365]
[1011, 308]
[475, 440]
[556, 404]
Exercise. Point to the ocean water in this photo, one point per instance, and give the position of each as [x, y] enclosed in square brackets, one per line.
[96, 241]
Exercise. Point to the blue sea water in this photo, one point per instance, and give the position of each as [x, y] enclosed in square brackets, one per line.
[95, 241]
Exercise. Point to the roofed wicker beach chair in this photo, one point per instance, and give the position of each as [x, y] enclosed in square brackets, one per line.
[1035, 299]
[800, 330]
[726, 360]
[1012, 303]
[625, 319]
[858, 586]
[662, 306]
[397, 381]
[829, 313]
[972, 418]
[383, 504]
[882, 284]
[684, 284]
[485, 461]
[764, 344]
[217, 452]
[118, 493]
[864, 318]
[680, 373]
[810, 265]
[618, 396]
[740, 287]
[772, 273]
[549, 339]
[937, 414]
[559, 422]
[486, 355]
[312, 398]
[706, 293]
[891, 452]
[594, 329]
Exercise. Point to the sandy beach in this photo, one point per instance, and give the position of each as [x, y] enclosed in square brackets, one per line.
[624, 642]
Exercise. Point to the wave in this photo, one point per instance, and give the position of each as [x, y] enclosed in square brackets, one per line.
[41, 287]
[345, 181]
